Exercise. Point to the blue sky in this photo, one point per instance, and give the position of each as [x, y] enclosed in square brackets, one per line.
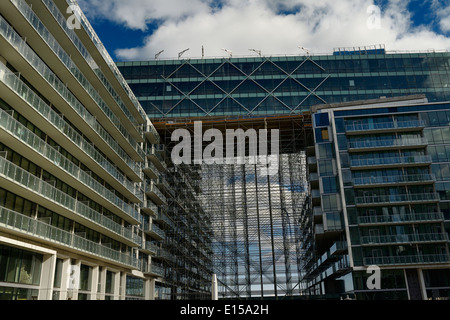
[138, 29]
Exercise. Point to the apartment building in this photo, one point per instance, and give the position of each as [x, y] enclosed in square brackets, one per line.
[378, 173]
[80, 164]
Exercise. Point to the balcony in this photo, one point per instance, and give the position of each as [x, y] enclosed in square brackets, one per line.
[407, 260]
[21, 182]
[155, 156]
[56, 56]
[401, 218]
[94, 44]
[153, 230]
[51, 160]
[318, 214]
[404, 238]
[388, 144]
[153, 269]
[25, 226]
[379, 181]
[384, 127]
[154, 193]
[163, 218]
[371, 200]
[391, 162]
[162, 183]
[152, 134]
[151, 170]
[149, 207]
[149, 247]
[28, 102]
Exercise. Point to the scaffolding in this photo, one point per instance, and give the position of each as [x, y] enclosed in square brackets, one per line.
[235, 222]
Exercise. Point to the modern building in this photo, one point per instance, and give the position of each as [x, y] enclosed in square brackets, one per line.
[267, 240]
[92, 206]
[378, 174]
[260, 86]
[83, 197]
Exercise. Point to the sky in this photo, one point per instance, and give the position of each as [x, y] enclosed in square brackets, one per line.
[140, 29]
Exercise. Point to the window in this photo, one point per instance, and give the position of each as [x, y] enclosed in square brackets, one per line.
[330, 202]
[329, 185]
[322, 135]
[322, 120]
[325, 168]
[325, 151]
[109, 282]
[334, 221]
[134, 288]
[85, 277]
[20, 266]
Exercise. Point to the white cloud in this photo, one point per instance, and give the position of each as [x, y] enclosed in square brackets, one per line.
[137, 14]
[275, 27]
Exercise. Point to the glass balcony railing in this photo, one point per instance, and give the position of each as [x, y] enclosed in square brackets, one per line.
[151, 227]
[13, 220]
[18, 130]
[421, 159]
[376, 199]
[404, 238]
[22, 90]
[399, 218]
[401, 142]
[355, 127]
[40, 28]
[411, 259]
[163, 182]
[109, 61]
[153, 268]
[149, 246]
[412, 178]
[62, 90]
[153, 152]
[62, 21]
[149, 165]
[12, 172]
[150, 187]
[149, 205]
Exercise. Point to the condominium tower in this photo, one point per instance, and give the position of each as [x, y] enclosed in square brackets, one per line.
[82, 193]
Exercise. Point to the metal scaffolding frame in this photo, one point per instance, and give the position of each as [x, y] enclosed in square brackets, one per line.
[247, 223]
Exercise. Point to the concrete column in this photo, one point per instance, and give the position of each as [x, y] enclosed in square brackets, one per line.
[102, 278]
[94, 282]
[152, 289]
[47, 277]
[123, 285]
[214, 288]
[74, 280]
[117, 286]
[65, 274]
[422, 284]
[147, 289]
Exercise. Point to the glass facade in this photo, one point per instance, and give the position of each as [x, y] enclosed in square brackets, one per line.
[392, 209]
[281, 85]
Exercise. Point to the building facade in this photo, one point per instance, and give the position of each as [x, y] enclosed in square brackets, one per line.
[91, 206]
[378, 177]
[262, 88]
[258, 86]
[83, 195]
